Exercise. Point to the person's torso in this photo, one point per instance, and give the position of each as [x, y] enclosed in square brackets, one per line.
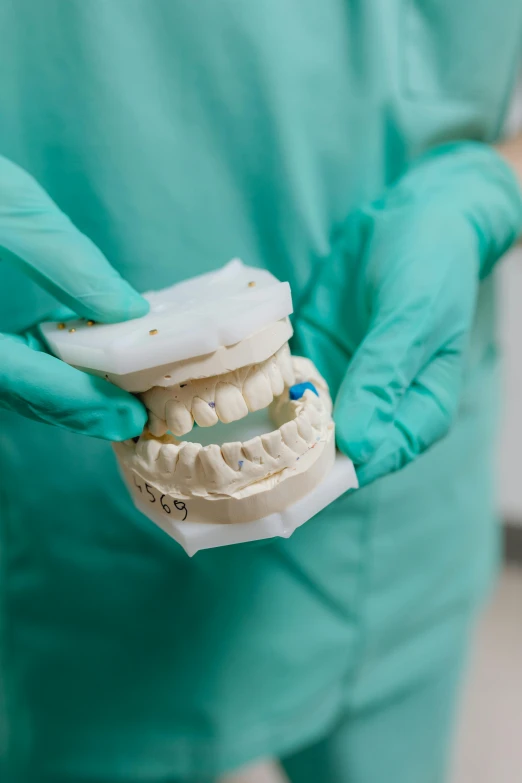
[179, 134]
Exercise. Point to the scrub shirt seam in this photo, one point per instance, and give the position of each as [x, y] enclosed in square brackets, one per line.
[362, 596]
[17, 732]
[4, 724]
[215, 757]
[357, 617]
[415, 95]
[506, 100]
[274, 741]
[5, 645]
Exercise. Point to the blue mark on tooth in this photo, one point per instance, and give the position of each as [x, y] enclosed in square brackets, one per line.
[297, 391]
[240, 463]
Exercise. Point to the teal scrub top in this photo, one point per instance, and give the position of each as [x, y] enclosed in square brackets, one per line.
[178, 135]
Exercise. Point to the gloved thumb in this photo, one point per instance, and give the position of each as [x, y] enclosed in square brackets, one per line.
[43, 388]
[41, 239]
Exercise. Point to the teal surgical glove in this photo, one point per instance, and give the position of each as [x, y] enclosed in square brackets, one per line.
[36, 235]
[388, 317]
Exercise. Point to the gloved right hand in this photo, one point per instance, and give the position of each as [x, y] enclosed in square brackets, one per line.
[388, 318]
[38, 237]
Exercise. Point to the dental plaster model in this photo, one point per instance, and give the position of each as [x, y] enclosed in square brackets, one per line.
[213, 350]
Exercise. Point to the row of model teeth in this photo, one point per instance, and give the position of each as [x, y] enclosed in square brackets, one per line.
[205, 469]
[225, 398]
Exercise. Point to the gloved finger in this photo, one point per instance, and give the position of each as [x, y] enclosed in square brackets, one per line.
[32, 335]
[423, 417]
[41, 387]
[42, 239]
[379, 374]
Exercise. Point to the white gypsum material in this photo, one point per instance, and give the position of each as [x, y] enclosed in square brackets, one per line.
[193, 318]
[213, 351]
[244, 476]
[194, 535]
[235, 468]
[255, 349]
[226, 397]
[270, 497]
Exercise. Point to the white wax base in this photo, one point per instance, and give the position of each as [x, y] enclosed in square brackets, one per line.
[194, 318]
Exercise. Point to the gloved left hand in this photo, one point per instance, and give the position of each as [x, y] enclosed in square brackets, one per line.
[39, 238]
[388, 318]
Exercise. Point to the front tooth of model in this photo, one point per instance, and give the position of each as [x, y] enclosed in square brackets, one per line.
[148, 449]
[179, 418]
[276, 379]
[285, 365]
[230, 405]
[214, 467]
[186, 465]
[304, 427]
[233, 454]
[167, 458]
[256, 390]
[155, 399]
[254, 451]
[273, 444]
[314, 417]
[204, 412]
[156, 426]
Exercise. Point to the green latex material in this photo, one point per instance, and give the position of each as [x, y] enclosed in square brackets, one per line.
[394, 304]
[36, 236]
[176, 135]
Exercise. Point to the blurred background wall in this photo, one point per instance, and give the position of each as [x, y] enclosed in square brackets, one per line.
[510, 462]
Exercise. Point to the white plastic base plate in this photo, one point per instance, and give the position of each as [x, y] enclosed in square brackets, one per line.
[194, 536]
[194, 318]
